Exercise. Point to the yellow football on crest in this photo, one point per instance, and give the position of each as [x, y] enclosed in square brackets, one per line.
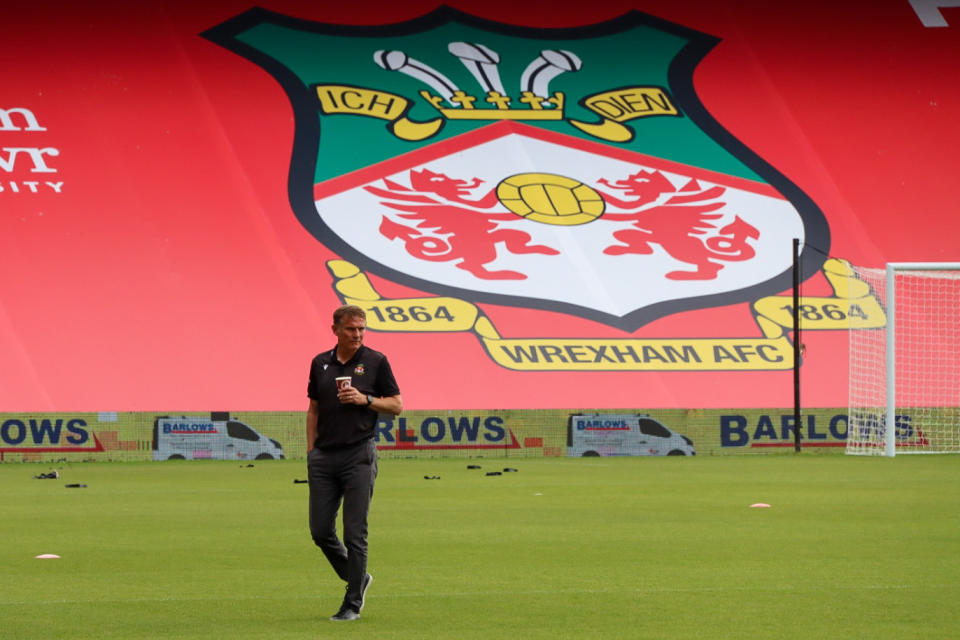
[550, 198]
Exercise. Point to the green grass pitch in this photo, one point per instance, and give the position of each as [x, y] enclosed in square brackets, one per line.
[563, 548]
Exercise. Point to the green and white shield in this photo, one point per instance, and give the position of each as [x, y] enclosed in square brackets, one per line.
[566, 169]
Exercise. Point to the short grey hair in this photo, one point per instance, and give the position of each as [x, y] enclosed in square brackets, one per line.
[350, 310]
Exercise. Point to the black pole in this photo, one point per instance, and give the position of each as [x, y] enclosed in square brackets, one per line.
[797, 345]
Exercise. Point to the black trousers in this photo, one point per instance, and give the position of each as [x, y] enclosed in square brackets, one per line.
[343, 476]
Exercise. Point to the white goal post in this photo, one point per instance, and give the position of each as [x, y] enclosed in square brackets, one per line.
[904, 380]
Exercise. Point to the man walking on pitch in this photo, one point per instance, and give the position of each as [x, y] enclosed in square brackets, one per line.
[348, 386]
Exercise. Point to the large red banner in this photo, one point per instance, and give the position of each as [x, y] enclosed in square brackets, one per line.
[176, 179]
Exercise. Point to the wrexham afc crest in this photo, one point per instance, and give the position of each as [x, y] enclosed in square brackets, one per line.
[574, 169]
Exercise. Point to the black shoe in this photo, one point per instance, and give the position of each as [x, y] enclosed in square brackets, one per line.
[367, 579]
[346, 613]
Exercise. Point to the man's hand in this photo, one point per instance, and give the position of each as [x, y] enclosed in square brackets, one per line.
[352, 395]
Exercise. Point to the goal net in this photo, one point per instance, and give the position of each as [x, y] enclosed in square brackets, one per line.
[904, 393]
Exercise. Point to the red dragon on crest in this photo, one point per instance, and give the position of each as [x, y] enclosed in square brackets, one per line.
[445, 225]
[680, 224]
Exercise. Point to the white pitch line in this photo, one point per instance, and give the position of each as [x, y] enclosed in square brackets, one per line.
[493, 593]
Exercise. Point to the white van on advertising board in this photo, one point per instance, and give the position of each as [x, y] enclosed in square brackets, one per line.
[217, 436]
[616, 434]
